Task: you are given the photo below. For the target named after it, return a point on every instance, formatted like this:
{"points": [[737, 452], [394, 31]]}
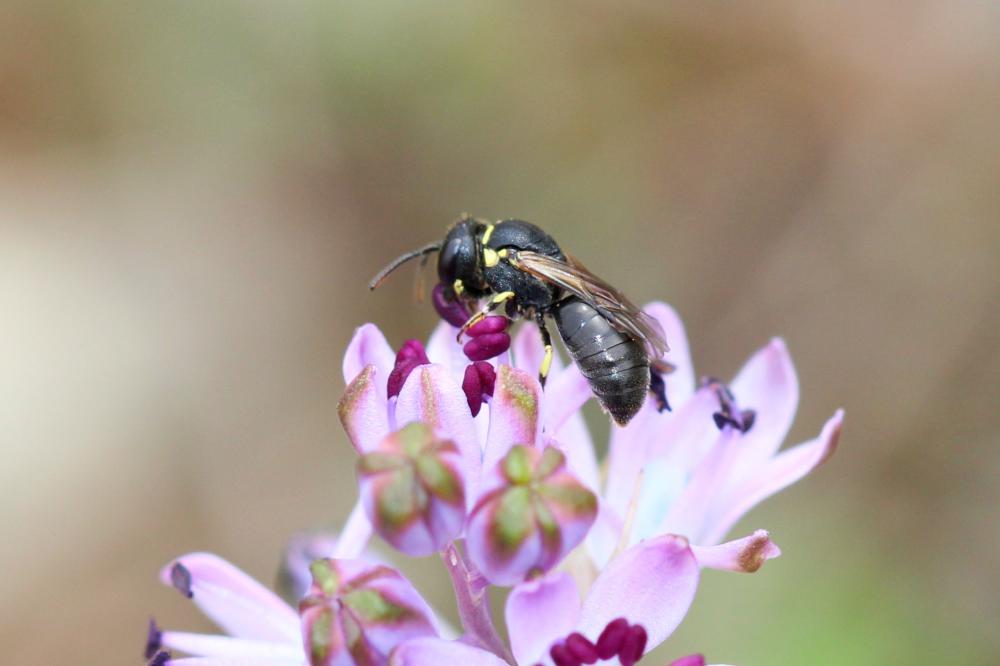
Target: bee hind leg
{"points": [[657, 386], [543, 370]]}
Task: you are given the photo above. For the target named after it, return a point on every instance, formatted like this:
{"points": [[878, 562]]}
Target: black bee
{"points": [[513, 263]]}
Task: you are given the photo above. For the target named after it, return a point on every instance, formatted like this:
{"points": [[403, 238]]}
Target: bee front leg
{"points": [[543, 371], [494, 302]]}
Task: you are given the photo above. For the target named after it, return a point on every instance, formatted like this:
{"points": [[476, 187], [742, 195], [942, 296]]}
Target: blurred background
{"points": [[194, 195]]}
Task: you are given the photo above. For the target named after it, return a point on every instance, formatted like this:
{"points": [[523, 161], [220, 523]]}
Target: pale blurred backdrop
{"points": [[194, 195]]}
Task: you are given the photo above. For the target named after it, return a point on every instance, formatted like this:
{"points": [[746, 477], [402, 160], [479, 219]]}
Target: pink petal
{"points": [[368, 347], [514, 417], [682, 437], [433, 651], [745, 555], [443, 349], [768, 385], [432, 396], [565, 394], [776, 474], [691, 513], [652, 584], [539, 612], [208, 645], [363, 409], [573, 439], [604, 534], [680, 382], [236, 602]]}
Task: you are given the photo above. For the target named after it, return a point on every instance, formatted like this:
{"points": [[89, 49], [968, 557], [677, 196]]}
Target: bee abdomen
{"points": [[615, 365]]}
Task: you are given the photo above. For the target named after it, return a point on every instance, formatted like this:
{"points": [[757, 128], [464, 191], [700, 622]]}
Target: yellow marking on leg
{"points": [[543, 372], [490, 257], [458, 286], [487, 233], [481, 315]]}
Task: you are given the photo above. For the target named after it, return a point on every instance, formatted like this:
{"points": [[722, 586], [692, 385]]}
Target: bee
{"points": [[514, 264]]}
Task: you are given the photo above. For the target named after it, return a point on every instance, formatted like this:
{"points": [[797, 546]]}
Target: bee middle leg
{"points": [[543, 371]]}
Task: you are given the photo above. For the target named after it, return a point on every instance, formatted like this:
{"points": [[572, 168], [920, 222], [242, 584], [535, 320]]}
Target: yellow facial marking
{"points": [[546, 362], [487, 234], [458, 286]]}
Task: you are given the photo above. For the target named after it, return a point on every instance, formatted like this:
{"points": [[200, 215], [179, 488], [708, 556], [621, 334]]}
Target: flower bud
{"points": [[413, 490], [531, 513], [357, 612]]}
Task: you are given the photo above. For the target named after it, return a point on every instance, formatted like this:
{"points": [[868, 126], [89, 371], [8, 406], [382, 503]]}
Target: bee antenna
{"points": [[400, 260]]}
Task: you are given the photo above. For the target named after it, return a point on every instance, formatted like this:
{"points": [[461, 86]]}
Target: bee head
{"points": [[460, 257]]}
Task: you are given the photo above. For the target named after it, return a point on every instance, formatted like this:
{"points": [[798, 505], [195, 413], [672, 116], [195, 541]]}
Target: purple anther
{"points": [[159, 659], [729, 412], [180, 578], [491, 324], [609, 643], [633, 645], [690, 660], [448, 307], [153, 640], [562, 656], [479, 380], [486, 346], [409, 356], [581, 648]]}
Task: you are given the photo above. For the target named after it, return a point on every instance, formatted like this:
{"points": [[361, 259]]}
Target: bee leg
{"points": [[543, 371], [494, 302], [657, 386]]}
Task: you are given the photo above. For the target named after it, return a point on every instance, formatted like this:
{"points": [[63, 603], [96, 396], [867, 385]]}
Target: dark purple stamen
{"points": [[491, 324], [480, 378], [619, 639], [160, 658], [609, 643], [584, 651], [448, 306], [633, 645], [729, 413], [562, 656], [486, 346], [411, 355], [180, 578], [153, 639], [690, 660]]}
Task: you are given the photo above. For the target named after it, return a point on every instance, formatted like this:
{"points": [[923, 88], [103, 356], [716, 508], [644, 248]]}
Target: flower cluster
{"points": [[461, 453]]}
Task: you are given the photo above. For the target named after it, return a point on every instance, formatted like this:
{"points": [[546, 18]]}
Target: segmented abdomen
{"points": [[616, 365]]}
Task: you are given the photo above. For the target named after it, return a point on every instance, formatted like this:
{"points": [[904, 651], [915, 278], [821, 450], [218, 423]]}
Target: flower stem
{"points": [[473, 602]]}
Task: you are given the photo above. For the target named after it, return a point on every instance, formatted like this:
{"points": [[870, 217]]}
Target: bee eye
{"points": [[448, 260]]}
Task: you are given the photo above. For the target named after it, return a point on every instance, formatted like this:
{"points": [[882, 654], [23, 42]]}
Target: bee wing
{"points": [[574, 277]]}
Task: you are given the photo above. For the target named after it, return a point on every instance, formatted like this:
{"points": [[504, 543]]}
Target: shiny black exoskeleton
{"points": [[514, 264]]}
